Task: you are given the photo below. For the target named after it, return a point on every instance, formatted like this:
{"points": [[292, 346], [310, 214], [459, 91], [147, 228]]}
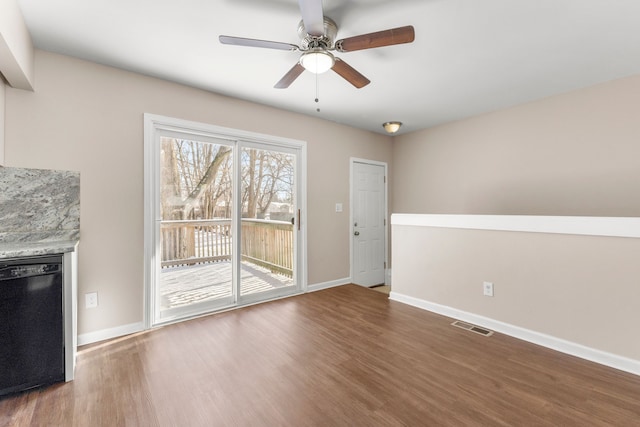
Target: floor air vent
{"points": [[472, 328]]}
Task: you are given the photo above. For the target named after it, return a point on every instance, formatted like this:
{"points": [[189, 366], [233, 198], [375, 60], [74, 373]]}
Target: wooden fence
{"points": [[265, 243]]}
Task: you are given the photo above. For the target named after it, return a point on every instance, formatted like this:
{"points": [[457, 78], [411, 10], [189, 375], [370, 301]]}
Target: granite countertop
{"points": [[39, 212], [24, 249]]}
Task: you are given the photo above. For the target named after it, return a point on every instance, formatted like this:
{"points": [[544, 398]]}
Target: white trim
{"points": [[222, 309], [107, 334], [581, 225], [327, 285], [151, 176], [207, 130], [302, 271], [558, 344], [352, 162], [70, 277]]}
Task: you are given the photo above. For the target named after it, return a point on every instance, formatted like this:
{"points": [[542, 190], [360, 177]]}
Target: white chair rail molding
{"points": [[568, 283]]}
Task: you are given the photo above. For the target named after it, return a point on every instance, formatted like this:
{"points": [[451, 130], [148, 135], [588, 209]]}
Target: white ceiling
{"points": [[469, 56]]}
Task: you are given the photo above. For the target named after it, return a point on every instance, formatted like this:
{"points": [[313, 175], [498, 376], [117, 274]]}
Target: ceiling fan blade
{"points": [[350, 74], [378, 39], [312, 16], [240, 41], [289, 78]]}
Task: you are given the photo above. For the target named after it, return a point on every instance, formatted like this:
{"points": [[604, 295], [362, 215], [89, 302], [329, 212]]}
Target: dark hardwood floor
{"points": [[345, 356]]}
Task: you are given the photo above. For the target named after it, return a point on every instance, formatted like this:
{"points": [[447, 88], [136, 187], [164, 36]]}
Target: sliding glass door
{"points": [[196, 245], [268, 222], [223, 222]]}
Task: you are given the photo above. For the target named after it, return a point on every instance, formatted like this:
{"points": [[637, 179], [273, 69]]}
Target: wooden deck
{"points": [[184, 285]]}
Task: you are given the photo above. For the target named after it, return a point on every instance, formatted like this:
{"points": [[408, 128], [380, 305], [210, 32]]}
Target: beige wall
{"points": [[572, 154], [575, 154], [582, 289], [89, 118]]}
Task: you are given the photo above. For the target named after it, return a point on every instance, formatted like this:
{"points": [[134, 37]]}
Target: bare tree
{"points": [[265, 175], [190, 171], [197, 180], [170, 188]]}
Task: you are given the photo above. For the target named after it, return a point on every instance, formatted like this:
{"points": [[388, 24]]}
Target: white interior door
{"points": [[368, 231]]}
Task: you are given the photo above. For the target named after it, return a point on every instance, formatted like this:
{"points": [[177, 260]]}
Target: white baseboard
{"points": [[568, 347], [327, 285], [106, 334], [132, 328]]}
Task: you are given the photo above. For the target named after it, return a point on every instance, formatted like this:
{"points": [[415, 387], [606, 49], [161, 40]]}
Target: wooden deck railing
{"points": [[265, 243], [268, 244], [195, 241]]}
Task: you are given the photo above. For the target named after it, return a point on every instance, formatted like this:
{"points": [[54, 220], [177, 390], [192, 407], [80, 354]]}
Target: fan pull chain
{"points": [[317, 93]]}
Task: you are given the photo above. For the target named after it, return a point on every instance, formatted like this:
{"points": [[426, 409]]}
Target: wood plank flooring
{"points": [[345, 356]]}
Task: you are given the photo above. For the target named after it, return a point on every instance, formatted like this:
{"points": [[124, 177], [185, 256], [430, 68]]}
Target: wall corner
{"points": [[3, 90], [17, 54]]}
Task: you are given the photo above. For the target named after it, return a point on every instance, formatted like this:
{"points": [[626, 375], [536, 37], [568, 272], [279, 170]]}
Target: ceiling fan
{"points": [[317, 33]]}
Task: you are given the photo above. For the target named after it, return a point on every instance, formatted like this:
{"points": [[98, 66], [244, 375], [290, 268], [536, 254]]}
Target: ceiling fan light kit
{"points": [[317, 33], [392, 127], [317, 61]]}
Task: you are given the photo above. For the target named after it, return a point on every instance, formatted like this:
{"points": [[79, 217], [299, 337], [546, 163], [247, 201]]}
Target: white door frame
{"points": [[155, 124], [352, 162]]}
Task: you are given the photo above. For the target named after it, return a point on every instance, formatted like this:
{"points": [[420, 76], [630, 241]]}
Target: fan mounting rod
{"points": [[324, 41]]}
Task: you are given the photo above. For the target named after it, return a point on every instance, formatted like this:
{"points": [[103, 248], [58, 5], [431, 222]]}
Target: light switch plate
{"points": [[91, 300], [487, 288]]}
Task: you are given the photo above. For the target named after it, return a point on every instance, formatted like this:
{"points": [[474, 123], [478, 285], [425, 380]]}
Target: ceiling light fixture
{"points": [[392, 127], [317, 61]]}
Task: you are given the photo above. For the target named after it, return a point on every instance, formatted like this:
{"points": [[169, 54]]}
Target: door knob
{"points": [[356, 233]]}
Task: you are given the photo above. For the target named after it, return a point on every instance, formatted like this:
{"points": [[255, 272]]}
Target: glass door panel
{"points": [[196, 246], [268, 230]]}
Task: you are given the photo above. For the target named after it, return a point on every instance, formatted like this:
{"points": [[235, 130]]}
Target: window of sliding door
{"points": [[268, 221], [222, 218]]}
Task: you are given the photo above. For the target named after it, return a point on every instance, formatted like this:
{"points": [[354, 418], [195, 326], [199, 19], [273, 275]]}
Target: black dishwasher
{"points": [[31, 323]]}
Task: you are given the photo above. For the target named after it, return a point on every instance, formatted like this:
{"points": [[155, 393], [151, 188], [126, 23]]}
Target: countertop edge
{"points": [[25, 249]]}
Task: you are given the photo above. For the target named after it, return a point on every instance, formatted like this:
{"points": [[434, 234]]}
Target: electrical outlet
{"points": [[487, 288], [338, 207], [91, 300]]}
